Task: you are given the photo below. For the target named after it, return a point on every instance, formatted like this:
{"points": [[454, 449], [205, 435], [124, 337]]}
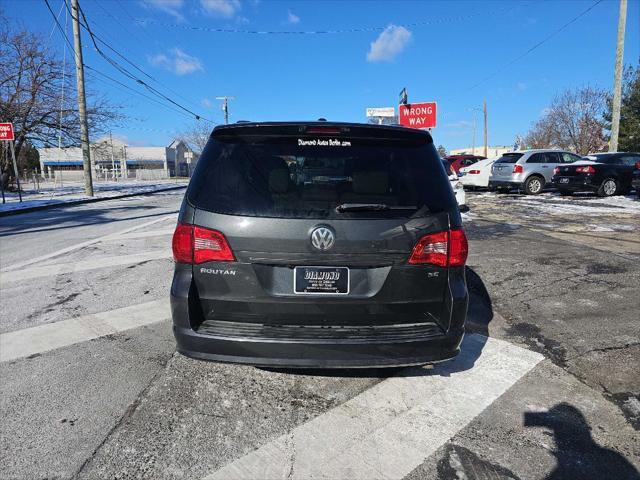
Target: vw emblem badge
{"points": [[322, 238]]}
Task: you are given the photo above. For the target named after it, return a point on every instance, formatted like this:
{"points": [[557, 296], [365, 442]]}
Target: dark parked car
{"points": [[604, 173], [459, 161], [319, 245]]}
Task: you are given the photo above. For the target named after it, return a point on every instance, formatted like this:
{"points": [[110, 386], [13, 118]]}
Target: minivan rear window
{"points": [[509, 158], [308, 177]]}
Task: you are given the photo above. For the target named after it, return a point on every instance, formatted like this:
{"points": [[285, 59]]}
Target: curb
{"points": [[18, 211]]}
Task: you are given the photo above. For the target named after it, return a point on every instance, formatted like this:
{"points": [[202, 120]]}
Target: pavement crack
{"points": [[292, 457], [128, 413], [604, 349]]}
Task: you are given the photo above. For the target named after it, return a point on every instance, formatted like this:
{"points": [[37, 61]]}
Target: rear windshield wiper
{"points": [[368, 207]]}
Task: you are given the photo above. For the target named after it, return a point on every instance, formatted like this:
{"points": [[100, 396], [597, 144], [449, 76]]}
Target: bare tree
{"points": [[573, 121], [32, 82], [540, 135], [197, 135]]}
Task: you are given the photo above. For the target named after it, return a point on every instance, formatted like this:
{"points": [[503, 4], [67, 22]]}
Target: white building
{"points": [[492, 151], [114, 156]]}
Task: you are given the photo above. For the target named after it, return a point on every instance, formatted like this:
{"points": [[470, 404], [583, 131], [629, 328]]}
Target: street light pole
{"points": [[617, 82], [473, 143], [82, 101]]}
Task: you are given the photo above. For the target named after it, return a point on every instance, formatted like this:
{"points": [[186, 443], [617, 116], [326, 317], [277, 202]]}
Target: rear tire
{"points": [[534, 185], [608, 188]]}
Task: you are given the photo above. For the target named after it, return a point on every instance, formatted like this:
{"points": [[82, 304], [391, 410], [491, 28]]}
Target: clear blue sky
{"points": [[438, 50]]}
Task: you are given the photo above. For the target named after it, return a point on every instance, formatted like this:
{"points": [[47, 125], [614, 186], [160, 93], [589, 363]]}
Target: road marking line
{"points": [[110, 236], [146, 233], [69, 267], [390, 429], [30, 341]]}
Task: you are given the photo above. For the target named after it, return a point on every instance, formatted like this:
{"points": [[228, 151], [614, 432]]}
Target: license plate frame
{"points": [[321, 285]]}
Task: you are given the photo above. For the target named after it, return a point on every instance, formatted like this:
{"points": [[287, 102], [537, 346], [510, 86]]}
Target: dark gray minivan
{"points": [[319, 244]]}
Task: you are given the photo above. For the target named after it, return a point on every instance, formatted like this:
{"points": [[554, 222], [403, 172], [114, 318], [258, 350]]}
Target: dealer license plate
{"points": [[321, 280]]}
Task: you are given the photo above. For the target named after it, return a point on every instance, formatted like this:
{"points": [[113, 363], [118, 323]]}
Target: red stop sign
{"points": [[6, 131], [418, 115]]}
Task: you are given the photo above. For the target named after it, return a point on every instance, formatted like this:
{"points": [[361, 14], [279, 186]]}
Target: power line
{"points": [[534, 47], [103, 42], [127, 73], [53, 27], [120, 68], [93, 73], [457, 18], [109, 14], [62, 30], [66, 38]]}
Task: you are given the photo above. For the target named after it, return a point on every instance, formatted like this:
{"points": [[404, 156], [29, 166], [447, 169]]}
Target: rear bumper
{"points": [[504, 184], [320, 344], [474, 181], [574, 183], [267, 352]]}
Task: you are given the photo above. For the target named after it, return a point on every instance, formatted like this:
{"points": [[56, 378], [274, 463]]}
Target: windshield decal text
{"points": [[323, 142]]}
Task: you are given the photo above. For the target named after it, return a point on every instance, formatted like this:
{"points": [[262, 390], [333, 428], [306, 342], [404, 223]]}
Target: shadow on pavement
{"points": [[478, 318], [71, 217], [578, 455]]}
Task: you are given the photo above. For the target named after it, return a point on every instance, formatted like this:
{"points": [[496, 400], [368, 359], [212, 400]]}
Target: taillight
{"points": [[473, 172], [638, 165], [517, 169], [556, 170], [458, 248], [443, 249], [182, 244], [588, 169], [193, 244], [210, 246]]}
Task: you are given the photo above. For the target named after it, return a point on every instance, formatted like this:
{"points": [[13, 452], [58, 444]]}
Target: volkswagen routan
{"points": [[319, 244]]}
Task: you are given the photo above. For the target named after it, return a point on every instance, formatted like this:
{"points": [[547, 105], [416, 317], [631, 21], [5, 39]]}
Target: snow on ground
{"points": [[555, 204], [551, 211], [49, 194], [559, 205]]}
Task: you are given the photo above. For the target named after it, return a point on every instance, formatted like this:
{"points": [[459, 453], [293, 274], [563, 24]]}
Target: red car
{"points": [[459, 161]]}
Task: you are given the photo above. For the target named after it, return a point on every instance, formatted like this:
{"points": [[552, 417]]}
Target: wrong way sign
{"points": [[418, 115], [6, 131]]}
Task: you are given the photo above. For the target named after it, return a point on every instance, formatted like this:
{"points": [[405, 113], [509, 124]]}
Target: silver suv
{"points": [[528, 170]]}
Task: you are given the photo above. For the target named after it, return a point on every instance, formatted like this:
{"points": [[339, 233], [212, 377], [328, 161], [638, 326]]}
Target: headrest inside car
{"points": [[279, 180], [375, 182]]}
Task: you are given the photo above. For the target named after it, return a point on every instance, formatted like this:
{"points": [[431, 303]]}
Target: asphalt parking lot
{"points": [[546, 386]]}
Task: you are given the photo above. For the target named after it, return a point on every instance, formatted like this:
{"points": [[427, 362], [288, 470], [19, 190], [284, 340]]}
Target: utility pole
{"points": [[113, 160], [617, 81], [486, 145], [225, 106], [82, 101]]}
